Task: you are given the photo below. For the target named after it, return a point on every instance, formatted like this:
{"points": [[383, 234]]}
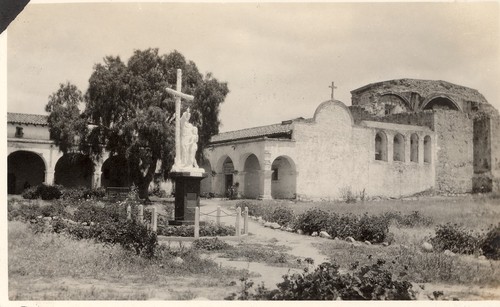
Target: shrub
{"points": [[281, 215], [30, 193], [210, 244], [373, 228], [254, 208], [43, 191], [313, 220], [456, 239], [343, 226], [372, 282], [210, 230], [491, 244], [82, 193]]}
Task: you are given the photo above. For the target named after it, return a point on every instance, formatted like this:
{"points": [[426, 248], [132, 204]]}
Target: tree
{"points": [[64, 118], [130, 113]]}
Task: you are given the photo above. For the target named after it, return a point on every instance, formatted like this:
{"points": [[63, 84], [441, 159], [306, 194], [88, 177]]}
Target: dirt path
{"points": [[300, 246]]}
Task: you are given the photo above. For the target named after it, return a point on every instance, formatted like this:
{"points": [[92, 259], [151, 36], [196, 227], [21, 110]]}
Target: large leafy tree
{"points": [[129, 113]]}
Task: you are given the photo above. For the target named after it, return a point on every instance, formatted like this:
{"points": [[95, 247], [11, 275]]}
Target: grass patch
{"points": [[409, 263], [55, 256], [271, 254]]}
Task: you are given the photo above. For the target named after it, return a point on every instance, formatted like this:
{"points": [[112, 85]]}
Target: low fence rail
{"points": [[240, 217]]}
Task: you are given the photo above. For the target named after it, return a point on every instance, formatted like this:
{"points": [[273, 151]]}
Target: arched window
{"points": [[399, 148], [427, 149], [414, 148], [380, 146]]}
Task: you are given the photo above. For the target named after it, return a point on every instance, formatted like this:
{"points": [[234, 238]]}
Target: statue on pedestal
{"points": [[189, 141]]}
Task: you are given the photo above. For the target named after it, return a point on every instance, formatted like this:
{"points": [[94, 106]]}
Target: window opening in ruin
{"points": [[275, 174], [19, 132], [414, 148], [399, 148], [427, 149], [380, 146]]}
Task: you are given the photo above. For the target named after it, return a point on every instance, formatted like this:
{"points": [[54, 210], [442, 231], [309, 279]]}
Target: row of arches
{"points": [[399, 147], [251, 178], [395, 103], [28, 169]]}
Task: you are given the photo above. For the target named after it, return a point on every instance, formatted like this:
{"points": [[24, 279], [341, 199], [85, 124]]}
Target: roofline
{"points": [[392, 80]]}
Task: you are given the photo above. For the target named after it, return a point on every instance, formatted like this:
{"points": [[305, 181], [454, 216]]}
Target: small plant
{"points": [[491, 244], [456, 238], [347, 195], [371, 282], [210, 244], [281, 215], [313, 220]]}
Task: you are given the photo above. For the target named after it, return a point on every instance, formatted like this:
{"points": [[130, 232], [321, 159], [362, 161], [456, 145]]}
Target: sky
{"points": [[278, 59]]}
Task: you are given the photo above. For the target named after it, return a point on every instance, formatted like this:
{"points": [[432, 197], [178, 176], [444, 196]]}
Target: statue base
{"points": [[187, 195]]}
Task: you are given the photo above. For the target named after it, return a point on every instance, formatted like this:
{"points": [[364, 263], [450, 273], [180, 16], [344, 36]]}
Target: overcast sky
{"points": [[278, 59]]}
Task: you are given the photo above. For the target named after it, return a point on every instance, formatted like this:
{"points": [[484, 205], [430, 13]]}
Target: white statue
{"points": [[189, 141]]}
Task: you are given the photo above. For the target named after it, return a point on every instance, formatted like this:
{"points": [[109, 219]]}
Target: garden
{"points": [[79, 244]]}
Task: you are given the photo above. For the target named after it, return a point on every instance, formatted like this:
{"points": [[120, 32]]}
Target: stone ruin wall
{"points": [[455, 168], [415, 92]]}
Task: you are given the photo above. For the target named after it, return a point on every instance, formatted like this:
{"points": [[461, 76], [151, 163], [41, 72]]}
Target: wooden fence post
{"points": [[238, 216], [218, 216], [129, 213], [245, 222], [140, 215], [154, 219], [197, 222]]}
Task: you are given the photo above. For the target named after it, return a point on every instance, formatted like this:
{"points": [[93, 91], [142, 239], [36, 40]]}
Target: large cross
{"points": [[178, 95], [333, 87]]}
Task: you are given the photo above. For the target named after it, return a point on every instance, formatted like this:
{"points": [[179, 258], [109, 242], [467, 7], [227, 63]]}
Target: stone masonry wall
{"points": [[454, 169]]}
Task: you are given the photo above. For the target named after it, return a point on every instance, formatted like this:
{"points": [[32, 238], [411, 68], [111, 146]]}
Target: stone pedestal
{"points": [[187, 195]]}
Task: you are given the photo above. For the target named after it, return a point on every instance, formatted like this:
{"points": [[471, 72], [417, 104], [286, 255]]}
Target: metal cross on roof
{"points": [[333, 87]]}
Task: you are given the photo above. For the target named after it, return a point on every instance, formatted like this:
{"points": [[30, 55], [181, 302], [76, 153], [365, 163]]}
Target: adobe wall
{"points": [[454, 169], [324, 152], [391, 178], [30, 131]]}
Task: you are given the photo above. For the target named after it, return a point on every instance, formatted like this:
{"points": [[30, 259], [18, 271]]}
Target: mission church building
{"points": [[398, 138]]}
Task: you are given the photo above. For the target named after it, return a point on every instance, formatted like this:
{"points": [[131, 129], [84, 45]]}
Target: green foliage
{"points": [[43, 191], [326, 282], [313, 220], [456, 238], [281, 215], [210, 244], [491, 244], [27, 211], [65, 122], [83, 193], [210, 230]]}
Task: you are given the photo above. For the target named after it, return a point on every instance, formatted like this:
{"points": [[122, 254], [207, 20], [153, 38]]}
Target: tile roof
{"points": [[28, 119], [277, 130]]}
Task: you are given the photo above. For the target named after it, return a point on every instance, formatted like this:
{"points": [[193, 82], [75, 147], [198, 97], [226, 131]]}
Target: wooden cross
{"points": [[333, 87], [178, 95]]}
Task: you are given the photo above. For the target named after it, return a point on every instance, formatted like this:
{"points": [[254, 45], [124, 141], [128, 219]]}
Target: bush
{"points": [[313, 220], [491, 244], [456, 239], [210, 244], [210, 230], [373, 228], [281, 215], [83, 193], [28, 211], [343, 226], [45, 192], [254, 208], [372, 282]]}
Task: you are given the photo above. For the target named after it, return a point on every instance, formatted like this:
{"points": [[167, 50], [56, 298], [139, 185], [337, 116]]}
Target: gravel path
{"points": [[301, 246]]}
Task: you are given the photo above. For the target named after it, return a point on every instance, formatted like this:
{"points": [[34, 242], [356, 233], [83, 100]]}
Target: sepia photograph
{"points": [[229, 151]]}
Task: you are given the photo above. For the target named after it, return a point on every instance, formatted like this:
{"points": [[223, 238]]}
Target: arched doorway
{"points": [[74, 170], [224, 178], [381, 146], [284, 178], [414, 148], [251, 171], [399, 148], [115, 172], [25, 169], [206, 183]]}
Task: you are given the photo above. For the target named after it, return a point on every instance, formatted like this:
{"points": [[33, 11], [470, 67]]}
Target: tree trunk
{"points": [[144, 181]]}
